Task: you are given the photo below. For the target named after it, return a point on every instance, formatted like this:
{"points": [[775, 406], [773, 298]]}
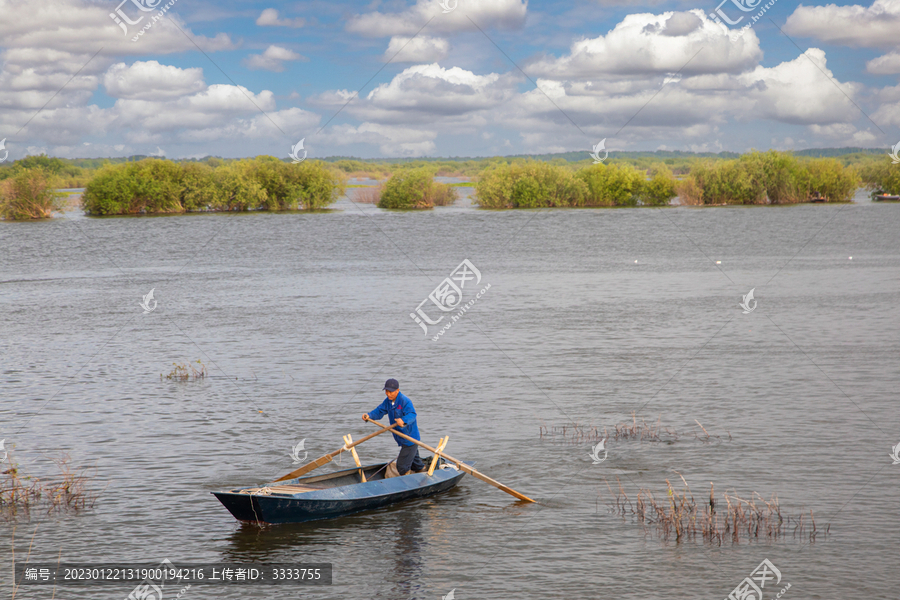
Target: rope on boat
{"points": [[263, 491]]}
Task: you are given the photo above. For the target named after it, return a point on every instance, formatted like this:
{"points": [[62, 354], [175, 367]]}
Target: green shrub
{"points": [[237, 191], [29, 194], [151, 185], [112, 191], [443, 195], [660, 189], [728, 182], [613, 185], [319, 185], [529, 184], [408, 188], [160, 183], [533, 184], [161, 186], [780, 175], [881, 175], [199, 190], [833, 180], [774, 177], [282, 190], [311, 184]]}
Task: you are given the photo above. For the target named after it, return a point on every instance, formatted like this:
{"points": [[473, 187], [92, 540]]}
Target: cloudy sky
{"points": [[86, 78]]}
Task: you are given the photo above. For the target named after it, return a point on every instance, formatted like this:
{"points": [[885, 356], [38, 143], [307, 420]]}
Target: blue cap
{"points": [[391, 385]]}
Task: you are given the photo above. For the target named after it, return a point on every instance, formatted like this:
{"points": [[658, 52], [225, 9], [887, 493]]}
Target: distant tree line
{"points": [[679, 162], [63, 171], [153, 185]]}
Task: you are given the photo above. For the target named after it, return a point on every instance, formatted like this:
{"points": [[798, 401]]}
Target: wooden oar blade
{"points": [[462, 466], [493, 482]]}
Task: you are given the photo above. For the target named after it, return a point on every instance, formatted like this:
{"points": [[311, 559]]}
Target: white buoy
{"points": [[851, 258]]}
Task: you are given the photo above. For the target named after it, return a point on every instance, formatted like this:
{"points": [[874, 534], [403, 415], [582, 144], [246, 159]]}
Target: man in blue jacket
{"points": [[399, 410]]}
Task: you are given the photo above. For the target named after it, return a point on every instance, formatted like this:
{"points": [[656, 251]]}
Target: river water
{"points": [[591, 315]]}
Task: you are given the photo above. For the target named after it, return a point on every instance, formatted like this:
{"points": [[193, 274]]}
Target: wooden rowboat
{"points": [[884, 197], [335, 494]]}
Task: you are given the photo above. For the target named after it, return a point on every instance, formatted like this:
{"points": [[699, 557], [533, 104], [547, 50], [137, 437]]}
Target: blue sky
{"points": [[239, 79]]}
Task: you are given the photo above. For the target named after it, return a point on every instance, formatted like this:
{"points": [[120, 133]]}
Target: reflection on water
{"points": [[407, 555]]}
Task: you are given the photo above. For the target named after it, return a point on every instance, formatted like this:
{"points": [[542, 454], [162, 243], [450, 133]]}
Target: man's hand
{"points": [[365, 416], [399, 422]]}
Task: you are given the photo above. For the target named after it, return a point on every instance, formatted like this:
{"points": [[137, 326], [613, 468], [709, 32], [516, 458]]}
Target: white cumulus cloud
{"points": [[872, 26], [391, 140], [151, 80], [84, 27], [197, 111], [889, 64], [423, 91], [45, 42], [499, 14], [269, 18], [648, 44], [797, 92], [272, 59], [420, 49]]}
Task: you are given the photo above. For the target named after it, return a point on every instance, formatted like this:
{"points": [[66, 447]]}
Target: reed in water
{"points": [[186, 371], [681, 517], [20, 493], [577, 433]]}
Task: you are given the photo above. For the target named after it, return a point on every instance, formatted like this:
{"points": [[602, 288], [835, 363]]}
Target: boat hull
{"points": [[338, 501]]}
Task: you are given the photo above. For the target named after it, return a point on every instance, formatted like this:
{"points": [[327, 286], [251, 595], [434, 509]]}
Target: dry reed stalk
{"points": [[186, 371], [58, 559], [703, 428], [577, 433], [689, 192], [368, 195], [18, 493], [681, 517], [15, 588]]}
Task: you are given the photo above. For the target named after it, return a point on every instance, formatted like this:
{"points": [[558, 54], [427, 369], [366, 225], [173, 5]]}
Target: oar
{"points": [[348, 441], [442, 443], [327, 458], [461, 465]]}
